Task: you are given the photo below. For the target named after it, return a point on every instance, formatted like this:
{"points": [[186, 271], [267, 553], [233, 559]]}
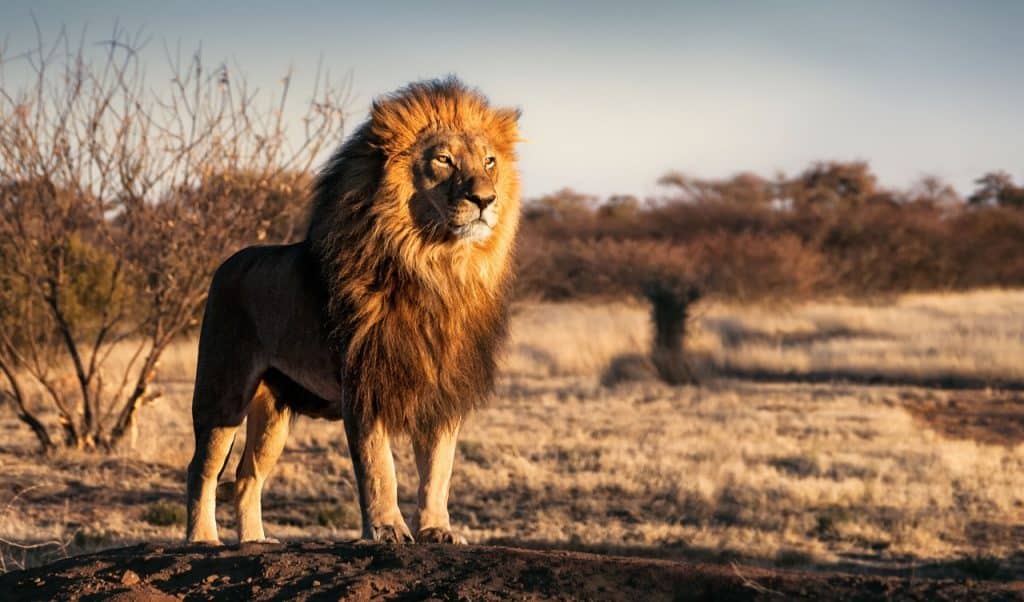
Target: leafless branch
{"points": [[117, 200]]}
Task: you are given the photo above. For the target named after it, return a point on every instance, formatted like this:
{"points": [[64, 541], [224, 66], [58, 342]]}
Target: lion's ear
{"points": [[506, 124], [510, 114], [379, 117], [382, 116], [389, 122], [383, 111]]}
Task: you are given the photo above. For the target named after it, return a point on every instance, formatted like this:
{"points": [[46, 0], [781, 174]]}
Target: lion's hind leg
{"points": [[213, 445], [266, 433], [227, 375]]}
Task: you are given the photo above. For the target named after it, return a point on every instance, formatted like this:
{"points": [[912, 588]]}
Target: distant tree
{"points": [[670, 278], [689, 189], [934, 192], [620, 207], [833, 184], [744, 188], [747, 188], [564, 205], [997, 188]]}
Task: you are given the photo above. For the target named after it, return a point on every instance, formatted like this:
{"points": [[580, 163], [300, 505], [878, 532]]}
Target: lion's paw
{"points": [[264, 541], [206, 543], [439, 535], [391, 534]]}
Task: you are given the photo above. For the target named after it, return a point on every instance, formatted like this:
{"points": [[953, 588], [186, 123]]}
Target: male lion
{"points": [[387, 316]]}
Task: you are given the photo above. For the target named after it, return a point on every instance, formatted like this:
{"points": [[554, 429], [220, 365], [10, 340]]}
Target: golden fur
{"points": [[388, 278], [388, 315]]}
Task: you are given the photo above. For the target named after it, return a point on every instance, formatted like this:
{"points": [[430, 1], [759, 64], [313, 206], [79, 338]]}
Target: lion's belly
{"points": [[321, 381], [281, 294], [307, 392], [303, 355]]}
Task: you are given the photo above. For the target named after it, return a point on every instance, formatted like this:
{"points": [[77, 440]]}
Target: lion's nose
{"points": [[481, 200], [480, 192]]}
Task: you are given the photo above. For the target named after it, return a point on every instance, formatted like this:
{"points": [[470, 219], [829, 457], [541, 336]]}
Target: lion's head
{"points": [[450, 156], [456, 175], [413, 222], [434, 169]]}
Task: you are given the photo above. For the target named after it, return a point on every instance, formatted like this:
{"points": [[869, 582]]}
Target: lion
{"points": [[387, 316]]}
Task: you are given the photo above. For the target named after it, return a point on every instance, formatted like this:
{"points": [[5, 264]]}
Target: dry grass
{"points": [[949, 339], [775, 473], [971, 337]]}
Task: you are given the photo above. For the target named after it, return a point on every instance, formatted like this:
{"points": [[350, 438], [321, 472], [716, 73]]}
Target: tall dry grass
{"points": [[973, 338]]}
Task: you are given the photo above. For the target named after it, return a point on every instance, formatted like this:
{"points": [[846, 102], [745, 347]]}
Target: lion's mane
{"points": [[417, 321]]}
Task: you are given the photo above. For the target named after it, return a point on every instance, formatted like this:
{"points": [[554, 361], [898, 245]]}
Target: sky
{"points": [[615, 94]]}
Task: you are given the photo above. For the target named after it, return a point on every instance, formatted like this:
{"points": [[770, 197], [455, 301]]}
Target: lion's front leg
{"points": [[435, 457], [374, 465]]}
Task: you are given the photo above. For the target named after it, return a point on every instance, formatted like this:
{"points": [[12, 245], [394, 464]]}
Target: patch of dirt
{"points": [[947, 382], [986, 418], [350, 570]]}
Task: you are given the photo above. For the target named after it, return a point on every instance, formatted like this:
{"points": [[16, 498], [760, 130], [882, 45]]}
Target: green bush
{"points": [[338, 516], [165, 514]]}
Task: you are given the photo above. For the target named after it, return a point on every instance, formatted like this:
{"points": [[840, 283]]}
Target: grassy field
{"points": [[819, 474], [971, 339]]}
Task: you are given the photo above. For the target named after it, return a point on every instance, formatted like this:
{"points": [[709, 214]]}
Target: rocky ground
{"points": [[360, 571]]}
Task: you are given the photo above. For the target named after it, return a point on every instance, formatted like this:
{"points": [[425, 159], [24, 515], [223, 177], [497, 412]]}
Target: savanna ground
{"points": [[883, 438]]}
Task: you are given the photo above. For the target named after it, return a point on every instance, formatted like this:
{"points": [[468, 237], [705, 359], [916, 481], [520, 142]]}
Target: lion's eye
{"points": [[490, 162], [443, 159]]}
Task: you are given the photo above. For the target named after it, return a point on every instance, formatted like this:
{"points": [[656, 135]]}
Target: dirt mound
{"points": [[330, 571]]}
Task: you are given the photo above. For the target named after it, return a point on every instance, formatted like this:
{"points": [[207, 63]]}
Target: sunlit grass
{"points": [[771, 473]]}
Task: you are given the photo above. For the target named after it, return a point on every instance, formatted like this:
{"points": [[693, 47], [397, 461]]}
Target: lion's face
{"points": [[456, 178]]}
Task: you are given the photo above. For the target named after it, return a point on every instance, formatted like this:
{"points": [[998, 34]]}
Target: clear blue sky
{"points": [[616, 93]]}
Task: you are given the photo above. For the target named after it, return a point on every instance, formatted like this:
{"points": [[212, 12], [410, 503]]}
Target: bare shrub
{"points": [[116, 202], [670, 313]]}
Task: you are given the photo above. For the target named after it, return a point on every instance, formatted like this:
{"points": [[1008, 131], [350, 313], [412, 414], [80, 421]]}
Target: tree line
{"points": [[830, 230]]}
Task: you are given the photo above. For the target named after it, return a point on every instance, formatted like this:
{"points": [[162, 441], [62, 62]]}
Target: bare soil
{"points": [[352, 570], [983, 417]]}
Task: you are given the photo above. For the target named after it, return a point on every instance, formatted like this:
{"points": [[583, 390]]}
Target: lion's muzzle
{"points": [[475, 211], [479, 190]]}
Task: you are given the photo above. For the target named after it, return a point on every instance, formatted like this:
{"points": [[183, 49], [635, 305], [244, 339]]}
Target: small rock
{"points": [[210, 578], [316, 583], [130, 577]]}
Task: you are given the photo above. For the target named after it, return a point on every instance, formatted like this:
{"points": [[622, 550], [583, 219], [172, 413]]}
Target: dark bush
{"points": [[830, 230], [165, 514]]}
